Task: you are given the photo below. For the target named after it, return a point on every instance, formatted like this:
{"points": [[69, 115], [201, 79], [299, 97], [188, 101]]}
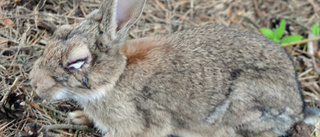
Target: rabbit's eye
{"points": [[77, 65]]}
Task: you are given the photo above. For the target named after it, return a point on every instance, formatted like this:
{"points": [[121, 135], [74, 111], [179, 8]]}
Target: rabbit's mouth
{"points": [[53, 93], [83, 96], [61, 94]]}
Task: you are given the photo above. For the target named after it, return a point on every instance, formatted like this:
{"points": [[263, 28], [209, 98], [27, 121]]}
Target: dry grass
{"points": [[26, 27]]}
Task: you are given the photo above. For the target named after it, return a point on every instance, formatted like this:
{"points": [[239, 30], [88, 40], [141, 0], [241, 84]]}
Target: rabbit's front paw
{"points": [[79, 118]]}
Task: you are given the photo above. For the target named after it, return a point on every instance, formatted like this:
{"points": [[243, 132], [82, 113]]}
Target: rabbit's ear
{"points": [[118, 16], [128, 12]]}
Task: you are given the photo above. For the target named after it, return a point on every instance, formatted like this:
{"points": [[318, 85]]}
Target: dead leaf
{"points": [[8, 22]]}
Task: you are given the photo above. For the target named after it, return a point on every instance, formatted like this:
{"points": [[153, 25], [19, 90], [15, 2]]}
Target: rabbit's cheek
{"points": [[41, 82], [60, 94], [45, 84], [54, 92]]}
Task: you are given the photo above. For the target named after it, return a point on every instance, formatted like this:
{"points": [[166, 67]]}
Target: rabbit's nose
{"points": [[42, 82]]}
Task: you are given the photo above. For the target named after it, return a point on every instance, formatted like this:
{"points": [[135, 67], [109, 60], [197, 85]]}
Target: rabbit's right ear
{"points": [[117, 17]]}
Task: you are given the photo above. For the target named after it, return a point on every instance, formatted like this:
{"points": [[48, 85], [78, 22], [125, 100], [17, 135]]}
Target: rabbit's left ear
{"points": [[119, 15]]}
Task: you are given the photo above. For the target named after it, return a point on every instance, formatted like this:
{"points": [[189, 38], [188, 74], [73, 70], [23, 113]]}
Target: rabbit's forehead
{"points": [[48, 62], [55, 47], [52, 55]]}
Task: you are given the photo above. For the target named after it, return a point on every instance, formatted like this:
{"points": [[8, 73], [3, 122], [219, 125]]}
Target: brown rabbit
{"points": [[209, 81]]}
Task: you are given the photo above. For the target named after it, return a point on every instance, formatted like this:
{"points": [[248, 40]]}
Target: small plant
{"points": [[277, 34], [315, 30]]}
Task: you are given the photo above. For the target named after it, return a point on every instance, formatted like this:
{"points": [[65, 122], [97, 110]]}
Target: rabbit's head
{"points": [[85, 62]]}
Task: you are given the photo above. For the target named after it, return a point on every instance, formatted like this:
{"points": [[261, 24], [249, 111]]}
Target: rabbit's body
{"points": [[180, 83], [207, 81]]}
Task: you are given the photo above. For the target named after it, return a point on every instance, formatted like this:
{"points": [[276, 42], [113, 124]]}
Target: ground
{"points": [[26, 27]]}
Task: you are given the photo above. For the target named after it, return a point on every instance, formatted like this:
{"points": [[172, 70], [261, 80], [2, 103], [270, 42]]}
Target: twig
{"points": [[22, 42], [76, 134], [67, 126], [63, 132], [308, 78], [300, 42], [83, 12], [249, 20], [313, 60], [57, 117], [311, 88], [15, 82], [294, 21], [5, 96], [312, 95], [2, 2], [32, 121], [306, 72], [36, 107], [315, 67], [2, 128], [54, 110], [54, 16], [315, 8]]}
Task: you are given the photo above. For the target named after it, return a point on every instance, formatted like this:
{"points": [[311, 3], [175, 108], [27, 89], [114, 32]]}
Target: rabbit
{"points": [[210, 81]]}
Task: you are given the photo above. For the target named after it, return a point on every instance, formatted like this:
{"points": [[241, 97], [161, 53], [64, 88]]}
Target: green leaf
{"points": [[305, 48], [276, 40], [291, 39], [315, 30], [20, 60], [280, 30], [267, 32]]}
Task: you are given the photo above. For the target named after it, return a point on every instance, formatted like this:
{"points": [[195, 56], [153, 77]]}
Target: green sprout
{"points": [[277, 34], [315, 30]]}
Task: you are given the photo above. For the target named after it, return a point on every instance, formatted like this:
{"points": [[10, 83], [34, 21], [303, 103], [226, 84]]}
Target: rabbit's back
{"points": [[215, 76]]}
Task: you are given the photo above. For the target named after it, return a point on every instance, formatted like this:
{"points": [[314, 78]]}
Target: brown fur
{"points": [[208, 81], [78, 117], [140, 49]]}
